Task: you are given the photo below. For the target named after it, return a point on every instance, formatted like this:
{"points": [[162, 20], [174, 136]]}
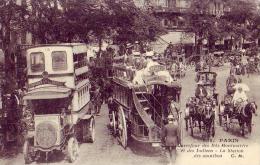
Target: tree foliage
{"points": [[237, 21], [68, 20]]}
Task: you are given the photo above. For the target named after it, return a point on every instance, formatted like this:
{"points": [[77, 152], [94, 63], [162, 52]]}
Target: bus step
{"points": [[146, 108], [142, 100], [140, 92]]}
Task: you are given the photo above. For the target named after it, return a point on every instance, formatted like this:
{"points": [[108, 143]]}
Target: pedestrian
{"points": [[98, 101], [171, 138]]}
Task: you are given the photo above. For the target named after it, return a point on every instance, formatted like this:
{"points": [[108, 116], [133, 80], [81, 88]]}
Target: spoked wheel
{"points": [[191, 127], [89, 130], [122, 127], [27, 152], [220, 115], [72, 149], [213, 129], [243, 129], [113, 124], [186, 122], [249, 126], [227, 122], [2, 144]]}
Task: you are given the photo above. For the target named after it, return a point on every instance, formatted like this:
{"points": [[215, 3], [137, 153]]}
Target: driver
{"points": [[230, 83], [201, 91]]}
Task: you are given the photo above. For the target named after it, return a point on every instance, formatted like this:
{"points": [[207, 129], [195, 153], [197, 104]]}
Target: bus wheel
{"points": [[27, 152], [122, 127], [113, 123], [72, 149], [2, 144], [89, 130]]}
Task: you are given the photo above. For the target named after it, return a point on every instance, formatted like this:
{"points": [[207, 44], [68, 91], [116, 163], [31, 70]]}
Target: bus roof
{"points": [[77, 47]]}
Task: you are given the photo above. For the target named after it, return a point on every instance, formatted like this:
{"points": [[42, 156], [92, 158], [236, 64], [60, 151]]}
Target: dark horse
{"points": [[245, 116], [202, 114]]}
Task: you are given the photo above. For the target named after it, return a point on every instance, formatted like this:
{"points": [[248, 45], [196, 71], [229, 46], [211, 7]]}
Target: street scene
{"points": [[152, 82]]}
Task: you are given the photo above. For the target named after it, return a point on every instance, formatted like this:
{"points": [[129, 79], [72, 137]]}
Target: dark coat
{"points": [[170, 135]]}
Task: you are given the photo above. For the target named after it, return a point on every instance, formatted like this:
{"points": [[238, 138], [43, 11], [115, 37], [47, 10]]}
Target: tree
{"points": [[239, 19], [12, 23], [236, 21], [202, 22]]}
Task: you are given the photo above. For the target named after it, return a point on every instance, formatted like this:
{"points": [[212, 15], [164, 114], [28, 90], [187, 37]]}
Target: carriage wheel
{"points": [[243, 129], [186, 122], [191, 127], [213, 129], [249, 126], [89, 131], [122, 127], [113, 123], [219, 116], [227, 122]]}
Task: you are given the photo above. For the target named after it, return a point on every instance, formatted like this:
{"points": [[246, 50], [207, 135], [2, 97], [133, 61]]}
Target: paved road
{"points": [[107, 151]]}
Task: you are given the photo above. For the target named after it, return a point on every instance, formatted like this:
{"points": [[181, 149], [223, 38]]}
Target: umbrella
{"points": [[243, 86]]}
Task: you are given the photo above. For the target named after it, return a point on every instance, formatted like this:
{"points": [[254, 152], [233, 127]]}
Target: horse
{"points": [[208, 120], [245, 116], [202, 113]]}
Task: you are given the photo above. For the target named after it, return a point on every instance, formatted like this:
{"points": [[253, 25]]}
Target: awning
{"points": [[48, 93]]}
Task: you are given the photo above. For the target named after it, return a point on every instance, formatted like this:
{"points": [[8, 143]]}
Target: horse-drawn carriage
{"points": [[232, 112], [142, 101], [200, 110]]}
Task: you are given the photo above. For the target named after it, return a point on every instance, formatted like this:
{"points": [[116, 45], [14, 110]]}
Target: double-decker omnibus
{"points": [[143, 98]]}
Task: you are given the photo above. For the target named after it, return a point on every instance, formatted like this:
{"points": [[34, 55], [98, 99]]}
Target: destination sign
{"points": [[46, 81], [157, 68]]}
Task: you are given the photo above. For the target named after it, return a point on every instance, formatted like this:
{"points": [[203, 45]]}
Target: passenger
{"points": [[239, 94], [171, 138], [239, 99]]}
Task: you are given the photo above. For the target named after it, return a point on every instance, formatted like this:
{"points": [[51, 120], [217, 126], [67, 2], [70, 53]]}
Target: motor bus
{"points": [[56, 103]]}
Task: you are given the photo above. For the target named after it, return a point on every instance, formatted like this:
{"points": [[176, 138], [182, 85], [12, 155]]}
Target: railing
{"points": [[145, 117], [156, 117]]}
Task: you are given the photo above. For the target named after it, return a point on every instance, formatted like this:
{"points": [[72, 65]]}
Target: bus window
{"points": [[37, 62], [59, 60]]}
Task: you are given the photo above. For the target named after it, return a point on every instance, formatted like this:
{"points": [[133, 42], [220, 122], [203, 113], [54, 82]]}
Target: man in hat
{"points": [[98, 100], [230, 83], [171, 138]]}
